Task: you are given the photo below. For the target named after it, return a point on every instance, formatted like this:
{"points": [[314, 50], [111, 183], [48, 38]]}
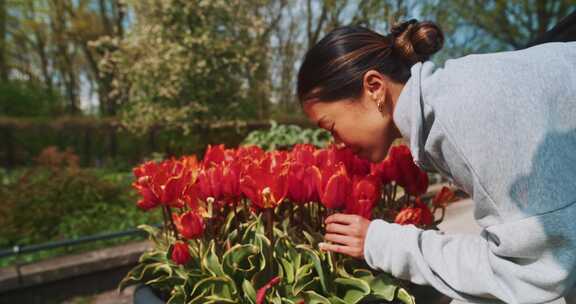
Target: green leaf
{"points": [[249, 291], [216, 299], [363, 274], [141, 272], [152, 232], [161, 268], [337, 300], [227, 227], [405, 297], [309, 238], [200, 298], [178, 296], [383, 286], [304, 285], [288, 270], [221, 286], [352, 290], [132, 277], [236, 258], [154, 255], [312, 297], [319, 267], [210, 261]]}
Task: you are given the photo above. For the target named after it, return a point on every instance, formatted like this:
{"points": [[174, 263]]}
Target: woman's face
{"points": [[357, 123]]}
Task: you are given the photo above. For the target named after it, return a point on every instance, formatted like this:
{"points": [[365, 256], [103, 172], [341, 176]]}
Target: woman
{"points": [[502, 126]]}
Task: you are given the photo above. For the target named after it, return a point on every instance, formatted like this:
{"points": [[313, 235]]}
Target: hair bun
{"points": [[417, 41]]}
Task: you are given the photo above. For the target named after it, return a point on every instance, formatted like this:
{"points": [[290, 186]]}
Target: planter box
{"points": [[423, 294]]}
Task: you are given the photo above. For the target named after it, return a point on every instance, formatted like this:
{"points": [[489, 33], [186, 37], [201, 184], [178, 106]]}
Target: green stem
{"points": [[269, 227], [236, 220], [174, 230], [165, 224]]}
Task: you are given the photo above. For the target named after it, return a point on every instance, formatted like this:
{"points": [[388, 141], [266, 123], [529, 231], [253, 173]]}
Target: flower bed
{"points": [[243, 225]]}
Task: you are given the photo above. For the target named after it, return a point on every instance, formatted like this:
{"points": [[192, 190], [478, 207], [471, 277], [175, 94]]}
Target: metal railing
{"points": [[18, 250]]}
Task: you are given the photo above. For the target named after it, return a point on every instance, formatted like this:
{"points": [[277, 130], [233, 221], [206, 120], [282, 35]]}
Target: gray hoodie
{"points": [[502, 127]]}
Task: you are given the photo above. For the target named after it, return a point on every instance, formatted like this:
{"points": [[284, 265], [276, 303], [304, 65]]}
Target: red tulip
{"points": [[190, 164], [334, 186], [302, 183], [171, 191], [324, 157], [230, 183], [273, 160], [304, 154], [443, 197], [354, 164], [250, 152], [406, 173], [261, 294], [333, 155], [216, 155], [180, 253], [418, 184], [419, 215], [209, 183], [191, 195], [365, 194], [190, 224], [385, 170], [265, 188], [163, 183], [148, 200]]}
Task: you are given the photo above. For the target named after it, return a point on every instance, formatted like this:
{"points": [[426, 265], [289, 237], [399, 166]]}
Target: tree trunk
{"points": [[3, 63]]}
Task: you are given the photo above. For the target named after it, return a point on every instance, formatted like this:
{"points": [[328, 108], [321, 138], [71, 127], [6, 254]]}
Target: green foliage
{"points": [[47, 204], [233, 273], [285, 136], [27, 99], [186, 61]]}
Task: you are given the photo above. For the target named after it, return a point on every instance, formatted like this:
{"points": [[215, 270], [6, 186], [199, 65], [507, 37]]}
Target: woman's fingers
{"points": [[338, 228], [343, 240], [347, 250], [350, 230], [341, 218]]}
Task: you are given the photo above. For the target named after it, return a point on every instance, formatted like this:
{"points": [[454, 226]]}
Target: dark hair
{"points": [[334, 68]]}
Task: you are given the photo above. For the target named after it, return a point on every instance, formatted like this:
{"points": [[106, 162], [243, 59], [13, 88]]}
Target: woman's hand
{"points": [[347, 233]]}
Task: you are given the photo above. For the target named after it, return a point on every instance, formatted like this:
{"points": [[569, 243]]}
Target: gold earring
{"points": [[381, 104]]}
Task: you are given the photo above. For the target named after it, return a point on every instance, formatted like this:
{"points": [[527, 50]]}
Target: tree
{"points": [[186, 61], [3, 63], [495, 25]]}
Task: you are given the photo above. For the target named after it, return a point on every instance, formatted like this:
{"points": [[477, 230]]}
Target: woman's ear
{"points": [[374, 84]]}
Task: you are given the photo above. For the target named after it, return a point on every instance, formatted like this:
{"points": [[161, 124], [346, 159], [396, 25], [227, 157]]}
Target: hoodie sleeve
{"points": [[526, 261]]}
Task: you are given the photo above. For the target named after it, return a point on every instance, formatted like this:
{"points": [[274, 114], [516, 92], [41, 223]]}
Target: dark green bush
{"points": [[44, 204], [27, 99]]}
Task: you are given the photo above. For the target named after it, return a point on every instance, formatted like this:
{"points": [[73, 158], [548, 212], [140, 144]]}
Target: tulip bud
{"points": [[190, 224], [180, 253]]}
